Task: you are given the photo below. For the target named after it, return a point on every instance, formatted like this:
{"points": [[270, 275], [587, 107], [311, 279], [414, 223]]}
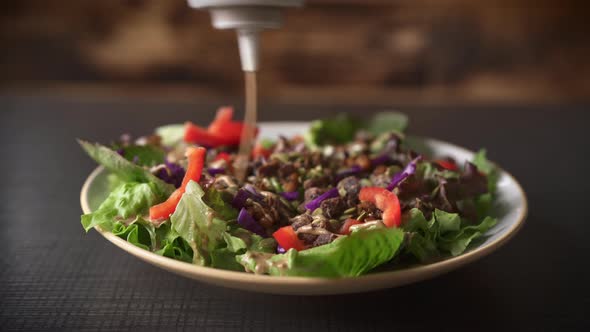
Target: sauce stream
{"points": [[247, 137]]}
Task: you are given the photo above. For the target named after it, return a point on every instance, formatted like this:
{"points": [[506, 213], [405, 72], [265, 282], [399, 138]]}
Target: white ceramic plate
{"points": [[510, 208]]}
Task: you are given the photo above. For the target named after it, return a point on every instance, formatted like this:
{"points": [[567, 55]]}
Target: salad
{"points": [[345, 198]]}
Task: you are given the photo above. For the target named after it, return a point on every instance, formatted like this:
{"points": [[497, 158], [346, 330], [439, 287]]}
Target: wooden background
{"points": [[352, 51]]}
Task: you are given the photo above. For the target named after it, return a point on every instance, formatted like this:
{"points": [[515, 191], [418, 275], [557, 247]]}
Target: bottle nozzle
{"points": [[248, 17], [248, 43]]}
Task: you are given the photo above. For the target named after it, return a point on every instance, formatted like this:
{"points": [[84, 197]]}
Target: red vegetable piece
{"points": [[224, 115], [260, 151], [345, 229], [447, 164], [223, 156], [163, 210], [385, 201], [196, 161], [199, 135], [287, 238]]}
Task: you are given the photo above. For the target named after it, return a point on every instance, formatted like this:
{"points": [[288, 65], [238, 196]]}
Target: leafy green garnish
{"points": [[445, 232], [196, 223], [339, 129], [125, 203], [144, 155], [387, 121], [219, 202], [140, 234], [488, 168], [343, 127], [347, 256], [125, 170], [171, 134]]}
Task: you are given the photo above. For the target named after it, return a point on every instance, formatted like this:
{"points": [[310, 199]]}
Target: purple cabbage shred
{"points": [[315, 203], [172, 173], [243, 194], [246, 220], [290, 195], [348, 172], [215, 170], [401, 176]]}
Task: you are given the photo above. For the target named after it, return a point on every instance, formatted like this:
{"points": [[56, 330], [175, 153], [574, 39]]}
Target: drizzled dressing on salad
{"points": [[347, 196], [247, 135]]}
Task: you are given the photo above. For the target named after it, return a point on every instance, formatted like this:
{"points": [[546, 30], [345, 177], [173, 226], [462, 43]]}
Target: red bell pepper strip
{"points": [[385, 201], [260, 151], [224, 115], [447, 164], [196, 161], [345, 229], [222, 131], [199, 135], [287, 238], [223, 156]]}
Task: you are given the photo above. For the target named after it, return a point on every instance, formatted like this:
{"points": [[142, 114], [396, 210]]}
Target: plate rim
{"points": [[370, 281]]}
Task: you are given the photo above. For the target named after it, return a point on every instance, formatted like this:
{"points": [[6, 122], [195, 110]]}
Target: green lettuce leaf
{"points": [[237, 241], [339, 129], [219, 202], [197, 224], [140, 234], [125, 203], [343, 127], [488, 168], [144, 155], [456, 242], [444, 232], [171, 134], [347, 256], [170, 244], [387, 121], [125, 170]]}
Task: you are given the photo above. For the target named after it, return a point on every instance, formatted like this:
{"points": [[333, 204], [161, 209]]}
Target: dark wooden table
{"points": [[56, 277]]}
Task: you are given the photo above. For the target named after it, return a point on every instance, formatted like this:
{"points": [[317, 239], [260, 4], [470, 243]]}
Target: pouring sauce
{"points": [[247, 137]]}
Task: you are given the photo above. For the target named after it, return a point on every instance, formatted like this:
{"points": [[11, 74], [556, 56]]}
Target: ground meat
{"points": [[312, 193], [307, 238], [263, 215], [320, 181], [363, 161], [268, 169], [380, 180], [332, 207], [324, 239], [380, 169], [372, 212], [290, 186], [313, 159], [277, 208], [282, 145], [319, 221], [286, 170], [351, 186], [300, 220]]}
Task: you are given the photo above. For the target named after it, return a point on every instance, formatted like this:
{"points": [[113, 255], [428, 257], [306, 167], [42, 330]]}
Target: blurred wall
{"points": [[348, 50]]}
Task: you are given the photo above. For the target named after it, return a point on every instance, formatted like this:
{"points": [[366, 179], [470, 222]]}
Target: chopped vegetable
{"points": [[290, 195], [345, 229], [384, 200], [314, 204], [287, 239], [196, 157], [333, 199], [245, 220], [401, 176], [447, 164]]}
